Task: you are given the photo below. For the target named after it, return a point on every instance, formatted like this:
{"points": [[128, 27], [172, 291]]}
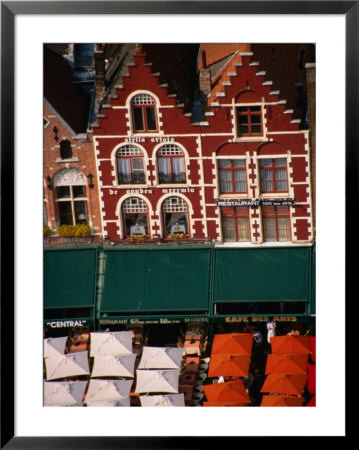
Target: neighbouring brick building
{"points": [[71, 193]]}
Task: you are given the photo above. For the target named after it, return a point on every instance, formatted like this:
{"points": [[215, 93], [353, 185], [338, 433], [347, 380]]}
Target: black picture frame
{"points": [[9, 10]]}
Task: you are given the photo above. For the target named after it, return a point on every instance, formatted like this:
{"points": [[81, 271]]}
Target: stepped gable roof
{"points": [[283, 64], [176, 65], [63, 95]]}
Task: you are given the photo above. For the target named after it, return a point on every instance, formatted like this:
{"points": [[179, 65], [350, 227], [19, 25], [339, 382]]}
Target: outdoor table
{"points": [[196, 337], [188, 378], [78, 348], [192, 364], [187, 390], [192, 348]]}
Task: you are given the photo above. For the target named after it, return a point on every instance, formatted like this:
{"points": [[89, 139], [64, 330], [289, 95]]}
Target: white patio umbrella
{"points": [[162, 400], [108, 390], [114, 366], [157, 381], [111, 343], [54, 346], [161, 358], [70, 365], [122, 402], [62, 393]]}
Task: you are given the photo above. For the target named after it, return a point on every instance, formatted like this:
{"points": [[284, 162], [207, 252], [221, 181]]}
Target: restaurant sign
{"points": [[253, 319], [276, 202], [68, 323], [151, 320]]}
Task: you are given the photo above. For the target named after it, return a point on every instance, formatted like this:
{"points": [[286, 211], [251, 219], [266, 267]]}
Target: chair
{"points": [[198, 397], [201, 377]]}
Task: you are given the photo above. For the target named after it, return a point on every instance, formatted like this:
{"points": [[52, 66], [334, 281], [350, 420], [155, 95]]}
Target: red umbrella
{"points": [[222, 404], [285, 384], [290, 344], [311, 402], [311, 378], [233, 344], [231, 391], [229, 365], [312, 341], [286, 364], [281, 400]]}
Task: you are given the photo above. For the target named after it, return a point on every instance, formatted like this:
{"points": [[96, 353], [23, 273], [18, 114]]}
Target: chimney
{"points": [[204, 76], [100, 72]]}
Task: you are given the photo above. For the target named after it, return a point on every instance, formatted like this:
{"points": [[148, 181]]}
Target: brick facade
{"points": [[56, 131], [203, 146]]}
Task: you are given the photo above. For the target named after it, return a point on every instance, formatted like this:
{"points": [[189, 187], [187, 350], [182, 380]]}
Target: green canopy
{"points": [[156, 279], [260, 275], [69, 278]]}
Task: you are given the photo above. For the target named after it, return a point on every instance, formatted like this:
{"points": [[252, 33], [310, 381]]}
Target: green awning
{"points": [[262, 275], [69, 278], [156, 280]]}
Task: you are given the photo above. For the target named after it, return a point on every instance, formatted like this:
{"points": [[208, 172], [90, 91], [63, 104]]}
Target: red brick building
{"points": [[240, 175]]}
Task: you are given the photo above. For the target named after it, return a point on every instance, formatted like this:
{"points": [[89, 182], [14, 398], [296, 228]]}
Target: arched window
{"points": [[144, 113], [130, 165], [135, 217], [235, 224], [175, 216], [171, 167], [71, 197], [65, 149]]}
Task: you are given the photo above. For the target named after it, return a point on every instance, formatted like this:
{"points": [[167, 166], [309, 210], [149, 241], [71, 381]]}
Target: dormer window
{"points": [[65, 149], [248, 114], [249, 120], [144, 113]]}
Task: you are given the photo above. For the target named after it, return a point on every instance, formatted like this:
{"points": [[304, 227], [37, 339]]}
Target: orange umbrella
{"points": [[291, 344], [286, 384], [286, 364], [231, 391], [229, 365], [223, 404], [281, 400], [233, 344]]}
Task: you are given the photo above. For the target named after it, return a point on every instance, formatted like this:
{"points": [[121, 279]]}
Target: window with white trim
{"points": [[71, 204], [175, 216], [235, 224], [130, 165], [171, 164], [135, 217], [232, 176], [144, 118], [273, 174], [71, 197], [276, 223]]}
